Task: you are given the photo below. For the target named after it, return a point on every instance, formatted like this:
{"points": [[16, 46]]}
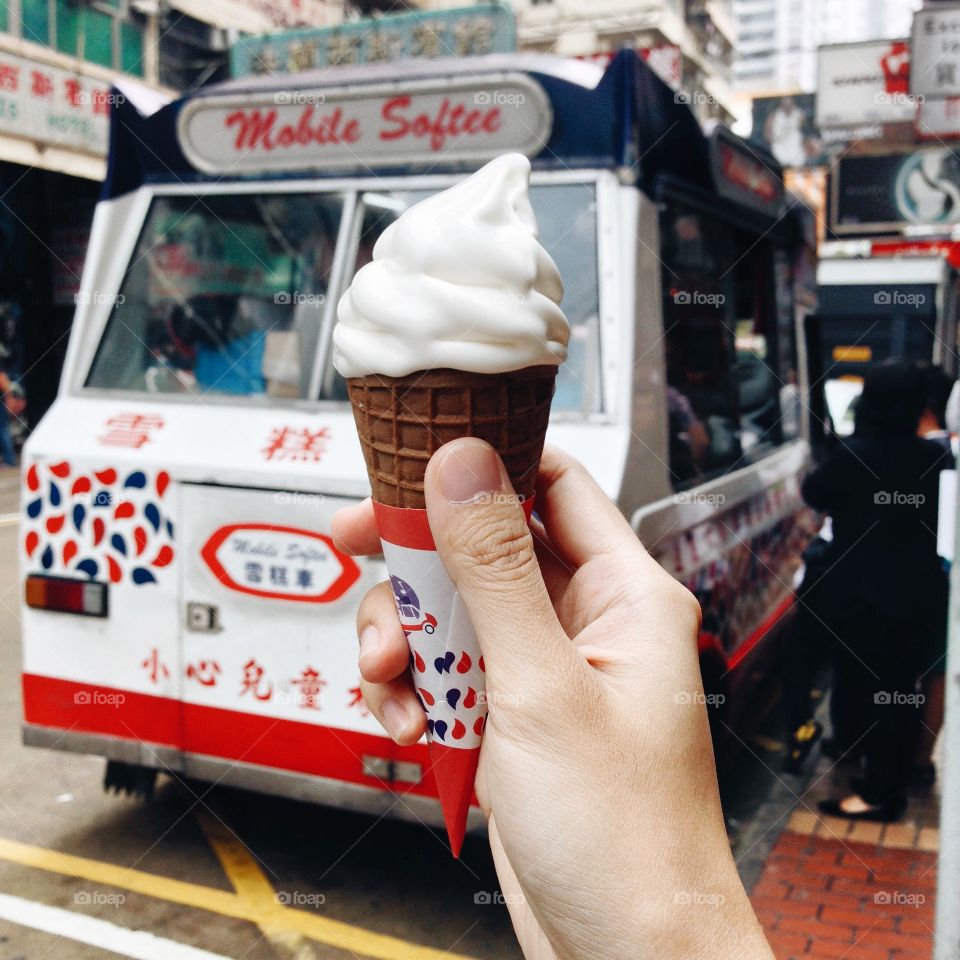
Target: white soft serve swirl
{"points": [[459, 281]]}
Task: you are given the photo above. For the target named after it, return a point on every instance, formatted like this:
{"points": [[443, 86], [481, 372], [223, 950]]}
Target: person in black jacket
{"points": [[887, 586]]}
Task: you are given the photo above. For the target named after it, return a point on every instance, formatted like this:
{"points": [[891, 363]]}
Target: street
{"points": [[200, 865]]}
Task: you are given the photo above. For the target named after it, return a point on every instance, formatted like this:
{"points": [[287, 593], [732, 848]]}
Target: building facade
{"points": [[59, 62], [688, 42]]}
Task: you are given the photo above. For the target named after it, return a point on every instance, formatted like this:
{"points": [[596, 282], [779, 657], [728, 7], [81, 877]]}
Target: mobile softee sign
{"points": [[469, 122]]}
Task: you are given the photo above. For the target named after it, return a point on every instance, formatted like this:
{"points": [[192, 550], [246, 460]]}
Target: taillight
{"points": [[66, 595]]}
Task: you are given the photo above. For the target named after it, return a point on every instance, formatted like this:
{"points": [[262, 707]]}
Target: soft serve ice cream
{"points": [[459, 281]]}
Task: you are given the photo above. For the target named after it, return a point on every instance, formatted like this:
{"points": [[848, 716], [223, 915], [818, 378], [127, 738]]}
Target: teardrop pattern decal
{"points": [[96, 520]]}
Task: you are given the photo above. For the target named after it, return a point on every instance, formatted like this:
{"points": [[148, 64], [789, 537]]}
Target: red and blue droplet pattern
{"points": [[105, 524]]}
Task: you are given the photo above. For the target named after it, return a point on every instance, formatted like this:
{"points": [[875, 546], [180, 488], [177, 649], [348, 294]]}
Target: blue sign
{"points": [[463, 32]]}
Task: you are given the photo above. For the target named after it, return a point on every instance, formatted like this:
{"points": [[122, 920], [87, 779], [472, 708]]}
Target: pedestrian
{"points": [[7, 450], [596, 774], [887, 583], [933, 426]]}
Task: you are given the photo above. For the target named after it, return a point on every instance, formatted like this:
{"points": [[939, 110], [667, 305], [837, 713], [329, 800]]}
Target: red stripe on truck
{"points": [[306, 748]]}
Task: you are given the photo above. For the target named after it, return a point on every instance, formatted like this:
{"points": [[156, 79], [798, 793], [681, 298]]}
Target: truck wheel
{"points": [[129, 778]]}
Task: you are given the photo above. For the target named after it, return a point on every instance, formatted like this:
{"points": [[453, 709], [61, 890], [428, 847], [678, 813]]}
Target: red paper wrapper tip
{"points": [[454, 770]]}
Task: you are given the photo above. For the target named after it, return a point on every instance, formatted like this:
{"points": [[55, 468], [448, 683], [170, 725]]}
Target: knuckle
{"points": [[684, 605], [496, 549], [377, 603]]}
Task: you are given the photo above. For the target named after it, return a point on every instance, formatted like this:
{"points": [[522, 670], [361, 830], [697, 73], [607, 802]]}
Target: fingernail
{"points": [[469, 470], [394, 717], [369, 640]]}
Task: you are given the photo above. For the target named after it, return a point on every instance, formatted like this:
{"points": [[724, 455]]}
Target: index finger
{"points": [[354, 530], [580, 519]]}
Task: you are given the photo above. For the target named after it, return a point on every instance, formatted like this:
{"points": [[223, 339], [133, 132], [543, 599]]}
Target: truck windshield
{"points": [[226, 294]]}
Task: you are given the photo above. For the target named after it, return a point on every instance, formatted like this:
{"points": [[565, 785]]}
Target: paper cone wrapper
{"points": [[446, 663], [402, 422]]}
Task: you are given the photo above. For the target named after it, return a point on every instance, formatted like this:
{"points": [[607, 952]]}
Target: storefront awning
{"points": [[225, 14], [29, 153]]}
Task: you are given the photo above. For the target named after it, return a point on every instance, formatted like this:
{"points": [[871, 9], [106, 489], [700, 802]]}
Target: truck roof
{"points": [[625, 117]]}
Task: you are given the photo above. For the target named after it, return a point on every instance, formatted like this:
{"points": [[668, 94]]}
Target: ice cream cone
{"points": [[403, 421]]}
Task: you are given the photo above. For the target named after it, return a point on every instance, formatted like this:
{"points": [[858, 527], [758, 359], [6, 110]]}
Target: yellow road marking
{"points": [[253, 887], [334, 933]]}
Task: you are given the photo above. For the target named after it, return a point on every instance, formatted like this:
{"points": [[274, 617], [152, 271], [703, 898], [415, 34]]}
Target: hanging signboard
{"points": [[884, 194], [53, 106], [424, 35], [862, 83], [936, 51]]}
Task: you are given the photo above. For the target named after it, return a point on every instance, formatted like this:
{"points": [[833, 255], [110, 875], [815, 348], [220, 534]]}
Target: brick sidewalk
{"points": [[849, 892]]}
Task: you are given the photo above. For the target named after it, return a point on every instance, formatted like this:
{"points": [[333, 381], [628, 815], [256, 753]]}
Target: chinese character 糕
{"points": [[472, 36], [204, 672], [383, 45], [288, 443], [130, 430], [311, 685], [252, 679], [342, 49], [302, 56], [155, 667], [427, 40], [278, 576], [41, 84]]}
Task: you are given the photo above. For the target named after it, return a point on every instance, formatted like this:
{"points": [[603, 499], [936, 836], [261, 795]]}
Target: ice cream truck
{"points": [[184, 607]]}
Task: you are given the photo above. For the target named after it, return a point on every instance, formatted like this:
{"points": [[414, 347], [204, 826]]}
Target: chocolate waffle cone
{"points": [[403, 421]]}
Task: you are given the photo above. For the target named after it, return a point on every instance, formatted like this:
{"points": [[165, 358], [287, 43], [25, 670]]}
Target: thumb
{"points": [[481, 533]]}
